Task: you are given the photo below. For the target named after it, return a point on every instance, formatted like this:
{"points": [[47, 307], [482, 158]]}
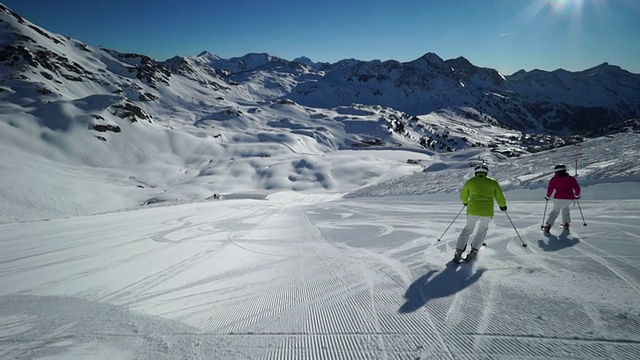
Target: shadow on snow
{"points": [[559, 242], [434, 285]]}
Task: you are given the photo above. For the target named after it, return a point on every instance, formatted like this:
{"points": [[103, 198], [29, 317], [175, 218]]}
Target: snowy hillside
{"points": [[116, 131], [311, 275]]}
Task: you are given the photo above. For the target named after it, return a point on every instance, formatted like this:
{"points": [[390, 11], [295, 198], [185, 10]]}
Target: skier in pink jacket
{"points": [[565, 190]]}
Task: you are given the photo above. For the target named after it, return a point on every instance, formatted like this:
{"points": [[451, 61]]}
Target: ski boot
{"points": [[457, 257], [472, 255], [565, 227], [546, 229]]}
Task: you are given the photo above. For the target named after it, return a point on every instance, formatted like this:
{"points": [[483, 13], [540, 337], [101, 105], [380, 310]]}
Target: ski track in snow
{"points": [[248, 279]]}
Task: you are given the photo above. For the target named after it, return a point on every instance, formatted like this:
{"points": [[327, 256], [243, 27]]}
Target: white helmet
{"points": [[481, 169], [559, 168]]}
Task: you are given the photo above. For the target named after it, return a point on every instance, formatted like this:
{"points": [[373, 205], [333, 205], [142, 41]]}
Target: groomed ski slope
{"points": [[317, 276], [346, 279]]}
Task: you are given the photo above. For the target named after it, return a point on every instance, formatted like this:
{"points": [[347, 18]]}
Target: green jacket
{"points": [[478, 193]]}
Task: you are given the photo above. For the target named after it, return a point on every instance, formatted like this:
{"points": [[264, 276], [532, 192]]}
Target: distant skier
{"points": [[478, 194], [565, 190]]}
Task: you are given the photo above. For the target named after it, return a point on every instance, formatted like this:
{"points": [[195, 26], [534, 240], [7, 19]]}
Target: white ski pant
{"points": [[560, 206], [463, 239]]}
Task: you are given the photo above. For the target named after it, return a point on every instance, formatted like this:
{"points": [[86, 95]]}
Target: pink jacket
{"points": [[566, 187]]}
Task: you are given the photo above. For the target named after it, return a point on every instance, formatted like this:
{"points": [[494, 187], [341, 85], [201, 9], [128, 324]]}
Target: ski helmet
{"points": [[560, 168], [481, 169]]}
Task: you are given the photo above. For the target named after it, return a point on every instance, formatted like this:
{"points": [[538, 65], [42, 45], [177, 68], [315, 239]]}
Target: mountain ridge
{"points": [[536, 102], [557, 102], [178, 130]]}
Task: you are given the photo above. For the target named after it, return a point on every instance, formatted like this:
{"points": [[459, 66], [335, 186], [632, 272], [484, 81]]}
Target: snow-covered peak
{"points": [[305, 60], [248, 62], [430, 60], [486, 78], [19, 29], [207, 56]]}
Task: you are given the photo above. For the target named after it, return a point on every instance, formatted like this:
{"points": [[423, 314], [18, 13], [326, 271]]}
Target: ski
{"points": [[463, 259], [564, 231]]}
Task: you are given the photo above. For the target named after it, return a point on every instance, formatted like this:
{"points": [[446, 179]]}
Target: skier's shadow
{"points": [[434, 285], [559, 242]]}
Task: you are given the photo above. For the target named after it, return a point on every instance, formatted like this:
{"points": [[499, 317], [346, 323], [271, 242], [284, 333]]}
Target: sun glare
{"points": [[562, 7], [571, 10]]}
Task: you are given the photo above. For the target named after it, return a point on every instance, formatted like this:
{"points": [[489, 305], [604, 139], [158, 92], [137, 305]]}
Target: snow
{"points": [[237, 225], [319, 275]]}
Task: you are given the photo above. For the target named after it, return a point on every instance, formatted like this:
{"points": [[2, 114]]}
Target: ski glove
{"points": [[577, 197], [503, 208], [546, 198], [464, 204]]}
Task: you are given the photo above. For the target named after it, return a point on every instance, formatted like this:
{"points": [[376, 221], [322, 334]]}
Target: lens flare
{"points": [[562, 7]]}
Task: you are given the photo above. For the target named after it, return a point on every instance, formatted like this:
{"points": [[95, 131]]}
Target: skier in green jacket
{"points": [[477, 195]]}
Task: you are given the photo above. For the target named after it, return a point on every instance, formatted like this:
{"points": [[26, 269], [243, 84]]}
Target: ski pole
{"points": [[579, 208], [454, 219], [514, 228], [544, 215]]}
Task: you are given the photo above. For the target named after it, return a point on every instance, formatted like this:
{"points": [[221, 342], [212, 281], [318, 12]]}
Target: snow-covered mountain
{"points": [[160, 127], [558, 102], [537, 101]]}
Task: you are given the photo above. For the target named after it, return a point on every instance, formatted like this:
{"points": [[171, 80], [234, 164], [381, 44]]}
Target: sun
{"points": [[565, 6], [562, 9]]}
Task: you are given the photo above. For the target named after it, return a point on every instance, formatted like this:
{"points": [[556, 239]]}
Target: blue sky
{"points": [[507, 35]]}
